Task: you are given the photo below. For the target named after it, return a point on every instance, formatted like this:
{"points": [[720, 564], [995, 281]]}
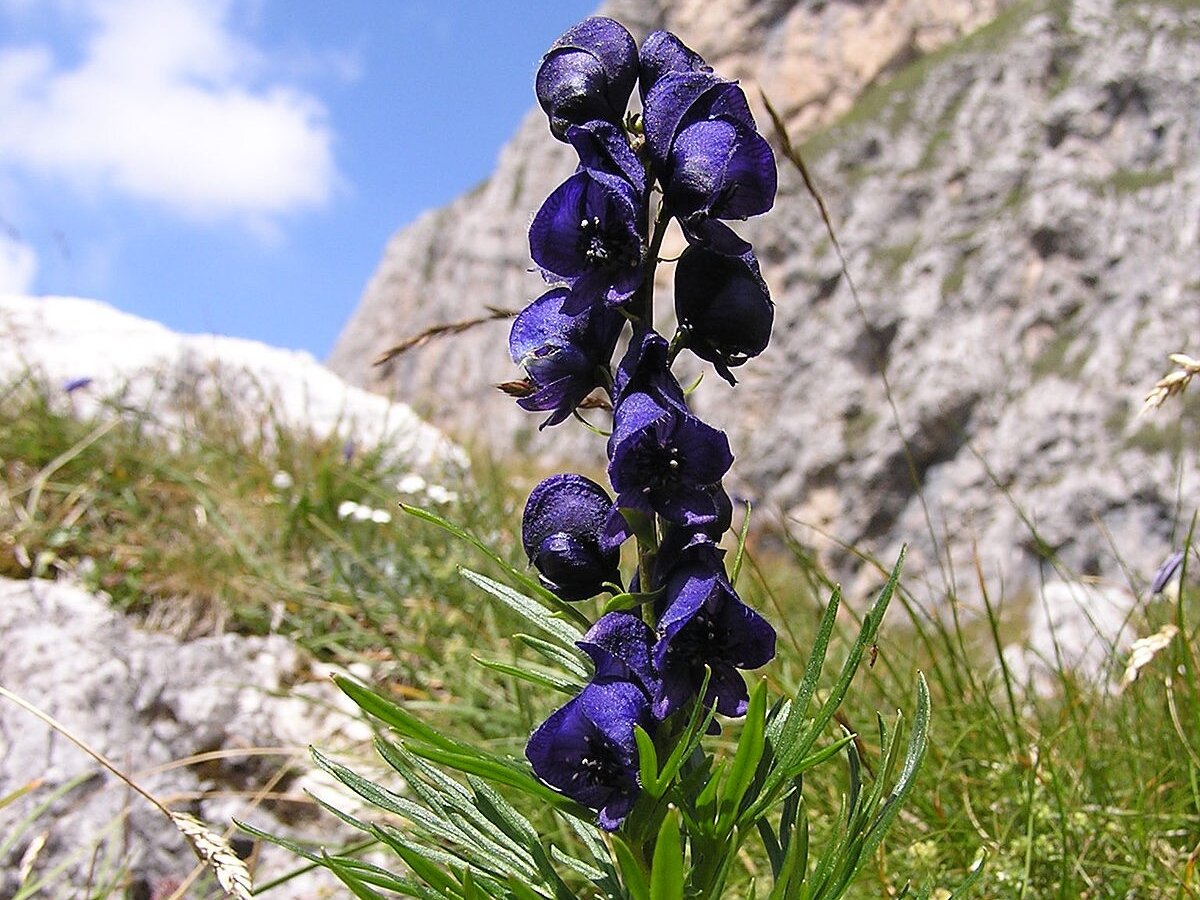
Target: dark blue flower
{"points": [[723, 304], [603, 147], [560, 531], [620, 646], [702, 622], [705, 148], [590, 234], [565, 356], [645, 369], [664, 460], [587, 74], [587, 750], [663, 53]]}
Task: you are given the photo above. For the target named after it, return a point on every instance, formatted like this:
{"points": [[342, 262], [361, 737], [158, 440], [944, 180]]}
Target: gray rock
{"points": [[1020, 210], [146, 702]]}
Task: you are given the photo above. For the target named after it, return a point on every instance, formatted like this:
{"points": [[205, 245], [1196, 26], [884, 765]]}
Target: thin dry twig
{"points": [[446, 329]]}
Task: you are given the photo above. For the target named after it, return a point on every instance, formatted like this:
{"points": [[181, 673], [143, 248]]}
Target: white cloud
{"points": [[166, 104], [18, 265]]}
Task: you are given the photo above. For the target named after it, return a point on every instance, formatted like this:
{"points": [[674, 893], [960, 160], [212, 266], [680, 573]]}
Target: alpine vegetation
{"points": [[651, 660]]}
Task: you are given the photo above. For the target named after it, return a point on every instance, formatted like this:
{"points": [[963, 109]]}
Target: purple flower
{"points": [[723, 304], [587, 750], [560, 531], [603, 147], [663, 53], [703, 623], [706, 149], [565, 356], [77, 384], [587, 74], [644, 369], [1166, 572], [664, 460], [619, 644], [590, 234]]}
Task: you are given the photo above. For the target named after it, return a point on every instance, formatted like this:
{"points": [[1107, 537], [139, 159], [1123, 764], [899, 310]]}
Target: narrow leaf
{"points": [[647, 763], [530, 610], [745, 760], [666, 870], [632, 876], [536, 677]]}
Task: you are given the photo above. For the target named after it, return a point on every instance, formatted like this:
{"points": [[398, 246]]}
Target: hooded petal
{"points": [[663, 53], [619, 644], [721, 169], [560, 531], [603, 147], [723, 304], [644, 369], [587, 74]]}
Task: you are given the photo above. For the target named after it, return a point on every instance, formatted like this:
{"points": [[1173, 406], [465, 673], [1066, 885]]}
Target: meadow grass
{"points": [[1082, 791]]}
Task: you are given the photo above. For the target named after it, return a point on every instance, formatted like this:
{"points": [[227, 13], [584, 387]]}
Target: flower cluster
{"points": [[693, 156]]}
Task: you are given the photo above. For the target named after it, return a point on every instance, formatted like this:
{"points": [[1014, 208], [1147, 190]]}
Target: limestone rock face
{"points": [[203, 725], [1020, 211]]}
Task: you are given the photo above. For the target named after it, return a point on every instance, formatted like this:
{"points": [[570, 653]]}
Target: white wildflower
{"points": [[439, 494], [282, 481], [412, 483]]}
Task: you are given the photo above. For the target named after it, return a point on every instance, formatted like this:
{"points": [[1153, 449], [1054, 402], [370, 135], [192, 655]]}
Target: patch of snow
{"points": [[94, 356]]}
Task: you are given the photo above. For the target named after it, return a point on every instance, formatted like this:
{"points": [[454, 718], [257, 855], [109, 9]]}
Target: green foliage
{"points": [[1082, 790]]}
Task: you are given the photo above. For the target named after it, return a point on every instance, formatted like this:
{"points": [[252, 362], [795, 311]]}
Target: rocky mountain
{"points": [[1016, 188]]}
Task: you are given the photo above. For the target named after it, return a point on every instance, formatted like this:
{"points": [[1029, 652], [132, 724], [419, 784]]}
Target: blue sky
{"points": [[237, 166]]}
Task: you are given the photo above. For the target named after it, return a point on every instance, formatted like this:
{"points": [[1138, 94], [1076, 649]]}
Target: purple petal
{"points": [[663, 53], [603, 147], [1166, 572], [560, 531], [619, 644], [721, 169], [724, 305], [587, 74]]}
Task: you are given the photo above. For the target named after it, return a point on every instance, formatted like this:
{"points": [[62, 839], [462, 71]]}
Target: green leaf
{"points": [[647, 763], [393, 715], [531, 610], [567, 660], [973, 876], [536, 677], [666, 870], [530, 584], [795, 859], [913, 757], [632, 876], [501, 772], [429, 872], [745, 761], [346, 875], [522, 891], [621, 602]]}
